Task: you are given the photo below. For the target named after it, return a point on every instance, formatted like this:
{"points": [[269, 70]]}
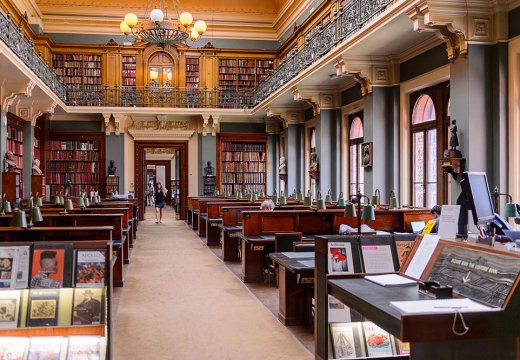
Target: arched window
{"points": [[355, 139], [160, 70], [429, 123]]}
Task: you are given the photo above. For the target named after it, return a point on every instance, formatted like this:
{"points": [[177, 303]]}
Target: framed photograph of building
{"points": [[366, 154]]}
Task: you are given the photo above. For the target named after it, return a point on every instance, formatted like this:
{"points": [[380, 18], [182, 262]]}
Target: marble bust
{"points": [[10, 164], [282, 168], [36, 167], [112, 168]]}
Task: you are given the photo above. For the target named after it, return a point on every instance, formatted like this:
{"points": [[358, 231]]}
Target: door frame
{"points": [[168, 174], [140, 168]]}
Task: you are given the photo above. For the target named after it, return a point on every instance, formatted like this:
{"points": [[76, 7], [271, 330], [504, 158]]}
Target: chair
{"points": [[283, 242], [303, 246]]}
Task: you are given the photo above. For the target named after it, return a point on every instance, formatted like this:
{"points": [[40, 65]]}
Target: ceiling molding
{"points": [[161, 135]]}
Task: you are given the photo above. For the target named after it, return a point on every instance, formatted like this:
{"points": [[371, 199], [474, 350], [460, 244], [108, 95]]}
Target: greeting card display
{"points": [[340, 258], [43, 307], [88, 309], [9, 309], [51, 266], [90, 268]]}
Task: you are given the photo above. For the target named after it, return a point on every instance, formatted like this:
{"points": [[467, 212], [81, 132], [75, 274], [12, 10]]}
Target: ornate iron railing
{"points": [[13, 37], [351, 18], [146, 96]]}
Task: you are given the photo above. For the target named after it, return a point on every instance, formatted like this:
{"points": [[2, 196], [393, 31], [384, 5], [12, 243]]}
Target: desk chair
{"points": [[283, 242]]}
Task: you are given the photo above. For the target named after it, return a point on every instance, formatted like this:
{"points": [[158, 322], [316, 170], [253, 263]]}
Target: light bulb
{"points": [[200, 27], [131, 20], [125, 28], [194, 35], [156, 15], [186, 19]]}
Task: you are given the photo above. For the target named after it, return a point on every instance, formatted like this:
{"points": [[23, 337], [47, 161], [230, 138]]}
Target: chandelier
{"points": [[157, 27]]}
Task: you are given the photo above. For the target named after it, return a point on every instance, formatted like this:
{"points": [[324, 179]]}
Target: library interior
{"points": [[284, 179]]}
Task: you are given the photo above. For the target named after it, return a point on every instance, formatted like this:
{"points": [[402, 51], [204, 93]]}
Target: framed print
{"points": [[366, 154], [340, 258]]}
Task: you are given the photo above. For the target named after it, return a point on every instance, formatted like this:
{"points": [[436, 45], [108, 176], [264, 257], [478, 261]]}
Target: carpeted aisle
{"points": [[181, 302]]}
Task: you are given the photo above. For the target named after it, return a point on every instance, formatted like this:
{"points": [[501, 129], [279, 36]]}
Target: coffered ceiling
{"points": [[262, 20]]}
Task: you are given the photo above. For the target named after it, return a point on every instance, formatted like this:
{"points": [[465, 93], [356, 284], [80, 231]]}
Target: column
{"points": [[3, 141], [28, 156], [273, 156], [381, 123], [114, 150], [207, 152], [294, 154], [328, 138]]}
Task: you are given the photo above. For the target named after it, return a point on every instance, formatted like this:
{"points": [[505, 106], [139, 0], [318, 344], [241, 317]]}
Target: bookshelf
{"points": [[243, 74], [13, 181], [192, 73], [242, 162], [129, 67], [112, 184], [79, 157], [210, 183]]}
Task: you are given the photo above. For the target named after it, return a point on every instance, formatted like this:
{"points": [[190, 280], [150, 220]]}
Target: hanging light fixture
{"points": [[159, 28]]}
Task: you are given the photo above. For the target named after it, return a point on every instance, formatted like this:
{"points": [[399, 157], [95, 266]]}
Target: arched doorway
{"points": [[161, 70]]}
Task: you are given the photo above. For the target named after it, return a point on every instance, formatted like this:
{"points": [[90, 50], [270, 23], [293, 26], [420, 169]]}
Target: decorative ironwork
{"points": [[351, 18], [146, 96], [13, 37]]}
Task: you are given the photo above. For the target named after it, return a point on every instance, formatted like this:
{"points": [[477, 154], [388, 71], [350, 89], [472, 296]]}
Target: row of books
{"points": [[247, 71], [77, 57], [92, 72], [254, 166], [231, 146], [74, 145], [53, 347], [228, 77], [255, 187], [129, 59], [254, 147], [14, 134], [227, 62], [364, 339], [129, 82], [75, 178], [51, 266], [254, 155], [15, 147], [129, 73], [192, 67], [70, 72], [254, 178], [92, 167], [248, 178], [192, 61], [83, 155], [264, 64], [92, 81], [52, 307], [231, 156]]}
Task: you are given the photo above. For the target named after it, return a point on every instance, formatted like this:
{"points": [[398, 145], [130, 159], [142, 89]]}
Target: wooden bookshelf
{"points": [[243, 74], [13, 181], [242, 162], [112, 184], [129, 68], [79, 157], [210, 184], [192, 73]]}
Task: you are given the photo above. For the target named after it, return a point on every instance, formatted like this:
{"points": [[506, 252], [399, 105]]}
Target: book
{"points": [[404, 247], [87, 306], [90, 268], [377, 340], [440, 306], [390, 280], [43, 307], [14, 266], [84, 347], [14, 348], [9, 308], [51, 266], [337, 311], [46, 347], [377, 258], [340, 258], [347, 340]]}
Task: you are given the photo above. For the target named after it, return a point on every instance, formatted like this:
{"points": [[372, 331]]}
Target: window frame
{"points": [[357, 142]]}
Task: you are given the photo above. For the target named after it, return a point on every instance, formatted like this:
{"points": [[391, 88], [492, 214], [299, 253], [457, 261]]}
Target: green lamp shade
{"points": [[81, 202], [274, 198], [299, 197], [328, 198], [30, 203], [36, 214], [283, 200], [350, 210], [393, 203], [341, 202], [7, 207], [56, 200], [98, 198], [255, 197], [87, 203], [320, 204], [38, 202], [69, 205], [510, 210], [307, 201], [375, 200], [368, 213], [19, 219], [62, 200]]}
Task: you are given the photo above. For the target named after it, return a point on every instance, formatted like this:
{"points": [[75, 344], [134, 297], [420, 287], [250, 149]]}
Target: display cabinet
{"points": [[243, 74], [192, 73], [112, 184], [129, 68]]}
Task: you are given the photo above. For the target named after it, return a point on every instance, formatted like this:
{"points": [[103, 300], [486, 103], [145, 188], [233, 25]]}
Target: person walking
{"points": [[160, 194]]}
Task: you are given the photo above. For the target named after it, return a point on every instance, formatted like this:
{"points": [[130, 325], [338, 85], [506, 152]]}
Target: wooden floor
{"points": [[180, 301]]}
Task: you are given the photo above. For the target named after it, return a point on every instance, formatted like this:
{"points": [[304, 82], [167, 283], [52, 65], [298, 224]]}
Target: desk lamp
{"points": [[509, 208], [299, 196], [341, 199], [68, 206], [98, 199], [85, 199], [376, 198], [320, 203], [19, 219], [7, 206], [35, 214], [283, 198], [274, 197], [81, 203], [328, 198], [393, 201], [39, 201], [368, 210], [307, 201], [56, 199]]}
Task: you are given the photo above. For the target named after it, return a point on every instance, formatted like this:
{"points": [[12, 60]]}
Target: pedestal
{"points": [[38, 185]]}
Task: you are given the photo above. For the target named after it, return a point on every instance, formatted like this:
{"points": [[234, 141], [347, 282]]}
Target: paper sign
{"points": [[449, 221]]}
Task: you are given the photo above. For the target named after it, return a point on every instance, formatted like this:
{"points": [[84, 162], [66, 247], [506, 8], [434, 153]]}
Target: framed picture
{"points": [[366, 154]]}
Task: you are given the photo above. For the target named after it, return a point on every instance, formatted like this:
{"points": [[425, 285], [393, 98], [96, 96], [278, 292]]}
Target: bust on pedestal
{"points": [[112, 168], [209, 170], [36, 167], [10, 164]]}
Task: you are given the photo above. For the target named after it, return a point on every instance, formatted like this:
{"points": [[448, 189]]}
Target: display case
{"points": [[242, 163], [112, 184], [78, 157], [66, 313], [482, 278]]}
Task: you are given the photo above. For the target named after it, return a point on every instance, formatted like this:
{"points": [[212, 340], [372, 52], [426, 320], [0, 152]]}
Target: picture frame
{"points": [[366, 154]]}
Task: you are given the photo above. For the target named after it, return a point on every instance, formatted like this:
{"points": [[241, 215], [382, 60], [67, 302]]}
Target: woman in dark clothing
{"points": [[160, 194]]}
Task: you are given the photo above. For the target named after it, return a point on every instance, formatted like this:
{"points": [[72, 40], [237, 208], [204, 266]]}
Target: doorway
{"points": [[173, 170]]}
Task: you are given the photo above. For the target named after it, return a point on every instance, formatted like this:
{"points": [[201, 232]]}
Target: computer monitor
{"points": [[475, 189]]}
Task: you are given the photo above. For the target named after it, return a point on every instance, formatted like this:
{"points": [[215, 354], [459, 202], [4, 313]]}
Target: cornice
{"points": [[163, 134], [289, 14]]}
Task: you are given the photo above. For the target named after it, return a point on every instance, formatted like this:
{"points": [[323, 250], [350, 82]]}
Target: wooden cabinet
{"points": [[78, 157], [12, 183], [129, 70], [112, 184], [192, 73], [78, 69], [243, 74], [242, 162]]}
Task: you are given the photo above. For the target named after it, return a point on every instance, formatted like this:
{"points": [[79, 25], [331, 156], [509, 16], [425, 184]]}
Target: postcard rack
{"points": [[483, 274]]}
